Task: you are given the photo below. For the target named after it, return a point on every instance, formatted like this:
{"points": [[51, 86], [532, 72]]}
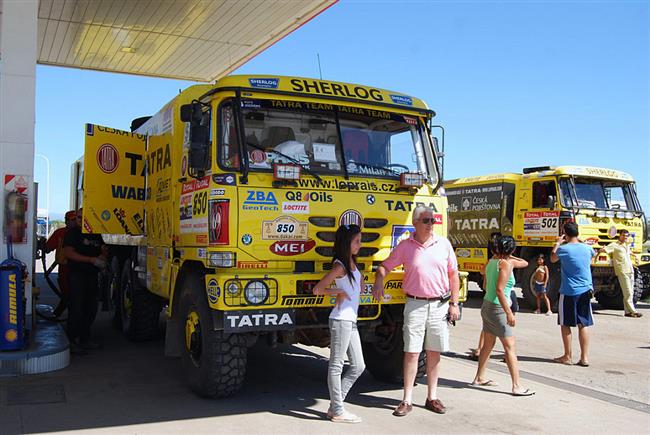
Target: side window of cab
{"points": [[544, 194]]}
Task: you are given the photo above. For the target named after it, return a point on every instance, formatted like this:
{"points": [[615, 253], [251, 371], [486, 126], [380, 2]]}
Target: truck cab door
{"points": [[113, 181], [538, 210]]}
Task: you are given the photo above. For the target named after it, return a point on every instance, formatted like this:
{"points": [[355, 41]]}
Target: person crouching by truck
{"points": [[55, 242], [86, 254]]}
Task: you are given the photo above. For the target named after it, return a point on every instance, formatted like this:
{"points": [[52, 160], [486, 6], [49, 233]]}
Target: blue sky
{"points": [[515, 84]]}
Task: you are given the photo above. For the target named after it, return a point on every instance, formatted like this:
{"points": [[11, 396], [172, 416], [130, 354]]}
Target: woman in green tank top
{"points": [[498, 318]]}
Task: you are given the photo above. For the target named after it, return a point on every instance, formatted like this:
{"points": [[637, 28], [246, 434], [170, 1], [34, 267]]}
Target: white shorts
{"points": [[425, 323]]}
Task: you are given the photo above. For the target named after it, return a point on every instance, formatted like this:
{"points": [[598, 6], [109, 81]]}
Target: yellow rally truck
{"points": [[222, 209], [533, 206]]}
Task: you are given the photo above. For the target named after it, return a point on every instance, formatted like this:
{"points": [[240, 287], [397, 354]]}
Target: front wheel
{"points": [[528, 284], [214, 362], [612, 297], [384, 356]]}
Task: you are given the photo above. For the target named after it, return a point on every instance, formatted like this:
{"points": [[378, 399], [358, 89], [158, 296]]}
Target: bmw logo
{"points": [[247, 239], [370, 199]]}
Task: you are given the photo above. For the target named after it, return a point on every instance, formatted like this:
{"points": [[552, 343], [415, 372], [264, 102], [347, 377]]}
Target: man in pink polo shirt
{"points": [[431, 284]]}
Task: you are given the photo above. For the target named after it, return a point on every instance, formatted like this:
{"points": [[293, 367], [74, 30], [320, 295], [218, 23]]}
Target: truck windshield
{"points": [[601, 194], [375, 143]]}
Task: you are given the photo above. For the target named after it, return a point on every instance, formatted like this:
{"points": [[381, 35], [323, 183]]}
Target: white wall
{"points": [[18, 32]]}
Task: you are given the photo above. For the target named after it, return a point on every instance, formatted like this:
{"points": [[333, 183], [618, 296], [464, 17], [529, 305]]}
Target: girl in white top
{"points": [[344, 336]]}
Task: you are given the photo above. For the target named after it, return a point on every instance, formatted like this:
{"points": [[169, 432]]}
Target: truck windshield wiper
{"points": [[291, 159]]}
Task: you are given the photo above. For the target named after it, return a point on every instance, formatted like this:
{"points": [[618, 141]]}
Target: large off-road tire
{"points": [[644, 274], [384, 356], [612, 298], [528, 283], [214, 362], [139, 309]]}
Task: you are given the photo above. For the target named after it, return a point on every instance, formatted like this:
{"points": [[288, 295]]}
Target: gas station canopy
{"points": [[198, 40]]}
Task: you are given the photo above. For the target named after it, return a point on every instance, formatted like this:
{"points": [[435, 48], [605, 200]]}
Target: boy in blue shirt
{"points": [[574, 306]]}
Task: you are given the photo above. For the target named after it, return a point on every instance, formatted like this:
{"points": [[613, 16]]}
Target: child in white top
{"points": [[343, 321]]}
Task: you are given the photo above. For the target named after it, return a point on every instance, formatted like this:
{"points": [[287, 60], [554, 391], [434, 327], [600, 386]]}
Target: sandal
{"points": [[526, 392], [582, 364], [488, 383], [562, 360]]}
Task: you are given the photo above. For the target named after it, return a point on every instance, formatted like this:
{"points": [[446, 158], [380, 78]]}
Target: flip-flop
{"points": [[526, 392], [561, 360], [582, 364], [488, 383]]}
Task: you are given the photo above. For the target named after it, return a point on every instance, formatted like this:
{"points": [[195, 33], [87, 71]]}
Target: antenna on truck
{"points": [[320, 72]]}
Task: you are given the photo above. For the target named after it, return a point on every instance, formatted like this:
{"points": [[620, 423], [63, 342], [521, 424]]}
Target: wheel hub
{"points": [[193, 336]]}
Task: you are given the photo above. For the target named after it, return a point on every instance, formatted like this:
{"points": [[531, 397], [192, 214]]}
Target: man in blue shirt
{"points": [[574, 306]]}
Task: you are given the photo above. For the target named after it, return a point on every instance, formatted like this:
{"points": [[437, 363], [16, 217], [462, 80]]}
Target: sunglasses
{"points": [[428, 221]]}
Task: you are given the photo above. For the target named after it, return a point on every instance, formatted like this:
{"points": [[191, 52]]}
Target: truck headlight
{"points": [[256, 292], [610, 213], [221, 259], [645, 258], [601, 213], [233, 288], [629, 215]]}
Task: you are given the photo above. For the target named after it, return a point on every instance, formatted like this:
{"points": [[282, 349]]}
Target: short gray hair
{"points": [[419, 210]]}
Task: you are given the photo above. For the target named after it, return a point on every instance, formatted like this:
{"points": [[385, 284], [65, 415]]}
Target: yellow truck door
{"points": [[538, 214], [114, 181]]}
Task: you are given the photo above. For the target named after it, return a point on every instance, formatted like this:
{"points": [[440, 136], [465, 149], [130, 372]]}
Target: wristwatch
{"points": [[453, 304]]}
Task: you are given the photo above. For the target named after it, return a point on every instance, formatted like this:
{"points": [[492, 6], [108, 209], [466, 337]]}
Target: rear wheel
{"points": [[139, 309], [214, 362], [384, 356]]}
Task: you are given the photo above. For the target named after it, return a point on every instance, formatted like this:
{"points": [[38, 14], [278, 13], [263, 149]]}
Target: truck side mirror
{"points": [[191, 113], [199, 152]]}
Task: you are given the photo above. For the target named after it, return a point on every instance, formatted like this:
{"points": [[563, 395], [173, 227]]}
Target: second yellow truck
{"points": [[533, 206]]}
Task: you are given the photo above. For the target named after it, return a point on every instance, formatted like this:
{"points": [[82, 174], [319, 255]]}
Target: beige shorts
{"points": [[425, 324]]}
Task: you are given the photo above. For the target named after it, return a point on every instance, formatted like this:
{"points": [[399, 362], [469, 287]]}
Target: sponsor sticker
{"points": [[217, 192], [463, 253], [213, 290], [264, 83], [399, 233], [247, 239], [402, 99], [284, 228], [225, 179], [258, 200], [295, 207], [218, 219], [107, 158], [202, 253], [291, 247], [541, 224], [302, 300]]}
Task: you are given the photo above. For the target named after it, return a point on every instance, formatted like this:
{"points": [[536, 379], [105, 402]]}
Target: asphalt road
{"points": [[131, 388]]}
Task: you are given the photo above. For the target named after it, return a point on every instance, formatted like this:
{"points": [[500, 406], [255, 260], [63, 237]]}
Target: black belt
{"points": [[440, 298]]}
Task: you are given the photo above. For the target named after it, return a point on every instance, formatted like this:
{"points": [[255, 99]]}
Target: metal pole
{"points": [[47, 194]]}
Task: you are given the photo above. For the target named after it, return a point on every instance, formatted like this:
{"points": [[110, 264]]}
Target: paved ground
{"points": [[132, 388]]}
